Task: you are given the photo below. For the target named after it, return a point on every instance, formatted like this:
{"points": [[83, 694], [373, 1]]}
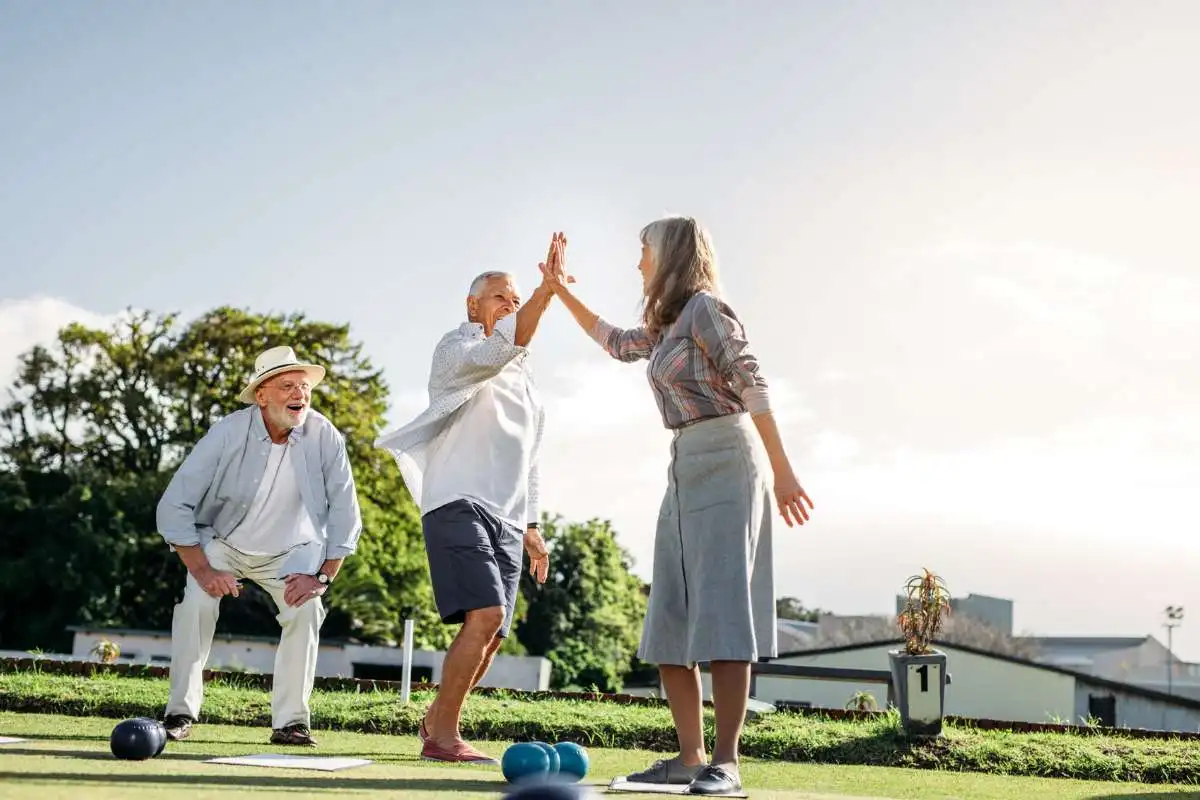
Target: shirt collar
{"points": [[472, 330]]}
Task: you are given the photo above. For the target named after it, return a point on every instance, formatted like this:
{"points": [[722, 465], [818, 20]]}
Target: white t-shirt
{"points": [[485, 454], [277, 520]]}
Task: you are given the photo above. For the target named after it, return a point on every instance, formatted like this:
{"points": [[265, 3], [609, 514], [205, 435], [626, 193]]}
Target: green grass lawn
{"points": [[775, 737], [68, 719], [69, 757]]}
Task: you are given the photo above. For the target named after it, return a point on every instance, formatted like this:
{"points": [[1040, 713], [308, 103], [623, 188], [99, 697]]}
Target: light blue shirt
{"points": [[213, 488]]}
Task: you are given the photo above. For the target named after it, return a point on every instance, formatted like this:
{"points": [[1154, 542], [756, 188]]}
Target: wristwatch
{"points": [[323, 579]]}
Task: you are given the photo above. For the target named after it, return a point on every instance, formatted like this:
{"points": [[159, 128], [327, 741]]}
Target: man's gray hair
{"points": [[482, 279]]}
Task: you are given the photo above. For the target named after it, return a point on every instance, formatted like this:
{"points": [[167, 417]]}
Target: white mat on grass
{"points": [[622, 785], [324, 763], [10, 739]]}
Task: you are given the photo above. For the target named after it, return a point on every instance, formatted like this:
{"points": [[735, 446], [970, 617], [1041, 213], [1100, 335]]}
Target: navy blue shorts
{"points": [[474, 561]]}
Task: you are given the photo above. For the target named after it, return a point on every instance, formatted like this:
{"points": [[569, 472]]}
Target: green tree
{"points": [[587, 617], [106, 406], [92, 400], [792, 608], [80, 552]]}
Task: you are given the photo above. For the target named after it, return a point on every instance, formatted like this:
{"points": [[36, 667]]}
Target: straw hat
{"points": [[274, 361]]}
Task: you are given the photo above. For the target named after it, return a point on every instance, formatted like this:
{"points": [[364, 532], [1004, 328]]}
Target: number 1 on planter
{"points": [[925, 692]]}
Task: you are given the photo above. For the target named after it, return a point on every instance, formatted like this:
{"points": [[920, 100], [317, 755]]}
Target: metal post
{"points": [[406, 669], [1174, 619]]}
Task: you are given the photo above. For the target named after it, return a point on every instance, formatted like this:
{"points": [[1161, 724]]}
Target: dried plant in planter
{"points": [[919, 675], [924, 611]]}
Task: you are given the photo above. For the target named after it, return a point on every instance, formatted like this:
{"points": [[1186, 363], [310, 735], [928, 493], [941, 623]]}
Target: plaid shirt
{"points": [[700, 367]]}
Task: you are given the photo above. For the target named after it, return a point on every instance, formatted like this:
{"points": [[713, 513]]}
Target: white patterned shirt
{"points": [[465, 363]]}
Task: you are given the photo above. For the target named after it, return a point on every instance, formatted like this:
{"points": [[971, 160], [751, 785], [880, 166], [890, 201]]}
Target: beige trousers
{"points": [[195, 621]]}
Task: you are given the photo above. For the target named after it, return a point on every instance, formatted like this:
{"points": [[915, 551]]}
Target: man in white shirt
{"points": [[470, 461], [266, 495]]}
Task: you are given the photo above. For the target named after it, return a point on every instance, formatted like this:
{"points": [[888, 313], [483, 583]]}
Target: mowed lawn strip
{"points": [[777, 737], [69, 757]]}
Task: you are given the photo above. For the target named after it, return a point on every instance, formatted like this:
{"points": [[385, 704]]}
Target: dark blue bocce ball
{"points": [[138, 739], [160, 731], [572, 761]]}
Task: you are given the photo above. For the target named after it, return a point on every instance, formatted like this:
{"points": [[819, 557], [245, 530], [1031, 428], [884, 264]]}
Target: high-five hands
{"points": [[554, 268]]}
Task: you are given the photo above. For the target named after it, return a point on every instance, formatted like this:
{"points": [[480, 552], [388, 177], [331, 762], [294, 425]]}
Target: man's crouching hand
{"points": [[539, 558], [300, 588], [216, 583]]}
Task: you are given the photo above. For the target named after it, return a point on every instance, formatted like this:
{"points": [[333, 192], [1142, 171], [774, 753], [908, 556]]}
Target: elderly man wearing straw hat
{"points": [[267, 496]]}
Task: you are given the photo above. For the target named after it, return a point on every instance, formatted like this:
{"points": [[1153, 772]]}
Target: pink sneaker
{"points": [[459, 753]]}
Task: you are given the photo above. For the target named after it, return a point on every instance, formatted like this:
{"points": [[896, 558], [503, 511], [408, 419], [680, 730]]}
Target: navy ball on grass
{"points": [[137, 739], [160, 731], [572, 761], [524, 762]]}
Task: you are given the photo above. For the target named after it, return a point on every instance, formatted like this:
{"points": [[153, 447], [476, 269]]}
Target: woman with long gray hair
{"points": [[712, 596]]}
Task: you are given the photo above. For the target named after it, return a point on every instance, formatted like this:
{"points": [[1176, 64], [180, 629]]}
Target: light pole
{"points": [[1174, 620]]}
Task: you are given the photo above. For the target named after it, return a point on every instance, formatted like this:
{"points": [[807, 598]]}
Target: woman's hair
{"points": [[685, 263]]}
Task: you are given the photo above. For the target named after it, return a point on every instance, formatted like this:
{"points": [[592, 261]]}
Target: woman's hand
{"points": [[790, 497]]}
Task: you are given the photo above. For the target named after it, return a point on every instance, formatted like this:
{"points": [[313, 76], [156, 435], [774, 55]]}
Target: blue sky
{"points": [[959, 234]]}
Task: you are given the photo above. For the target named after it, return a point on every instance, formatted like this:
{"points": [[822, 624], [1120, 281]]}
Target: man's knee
{"points": [[485, 621], [194, 597], [310, 614]]}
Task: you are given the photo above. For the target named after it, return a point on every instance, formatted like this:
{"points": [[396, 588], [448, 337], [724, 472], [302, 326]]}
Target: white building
{"points": [[987, 686], [1141, 660], [334, 658]]}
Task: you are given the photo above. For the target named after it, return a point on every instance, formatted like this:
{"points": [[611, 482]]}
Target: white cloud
{"points": [[832, 376], [36, 320], [1063, 291], [597, 398], [962, 344], [833, 448]]}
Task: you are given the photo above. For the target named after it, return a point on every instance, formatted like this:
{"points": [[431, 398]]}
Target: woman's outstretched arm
{"points": [[622, 344]]}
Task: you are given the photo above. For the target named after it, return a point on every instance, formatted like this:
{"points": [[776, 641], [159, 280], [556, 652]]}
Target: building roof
{"points": [[1083, 677], [1108, 642]]}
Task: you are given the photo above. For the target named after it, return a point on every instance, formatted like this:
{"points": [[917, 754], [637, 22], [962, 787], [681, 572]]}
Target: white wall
{"points": [[1135, 711], [527, 673], [982, 687]]}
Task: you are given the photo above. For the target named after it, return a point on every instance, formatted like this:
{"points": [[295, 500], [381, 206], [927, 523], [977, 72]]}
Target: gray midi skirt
{"points": [[712, 591]]}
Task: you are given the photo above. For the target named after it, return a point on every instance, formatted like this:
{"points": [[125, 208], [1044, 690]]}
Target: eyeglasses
{"points": [[287, 387]]}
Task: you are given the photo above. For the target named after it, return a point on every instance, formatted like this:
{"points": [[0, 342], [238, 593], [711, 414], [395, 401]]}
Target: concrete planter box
{"points": [[919, 686]]}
